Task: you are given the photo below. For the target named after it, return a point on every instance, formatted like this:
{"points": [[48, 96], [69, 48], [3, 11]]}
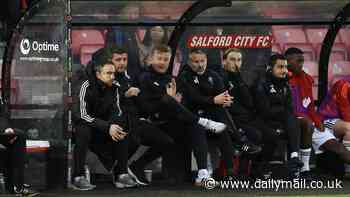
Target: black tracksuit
{"points": [[171, 116], [242, 111], [199, 92], [95, 109], [274, 105], [14, 155], [142, 131]]}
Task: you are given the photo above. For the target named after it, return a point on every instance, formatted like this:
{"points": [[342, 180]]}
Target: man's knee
{"points": [[347, 129], [83, 133]]}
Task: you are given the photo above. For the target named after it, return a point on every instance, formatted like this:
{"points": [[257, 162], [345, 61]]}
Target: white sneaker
{"points": [[210, 125], [124, 181], [204, 180], [82, 184], [202, 175]]}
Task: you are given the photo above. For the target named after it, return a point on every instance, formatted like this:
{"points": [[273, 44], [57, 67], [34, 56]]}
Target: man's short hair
{"points": [[100, 58], [197, 51], [101, 54], [99, 65], [118, 50], [161, 48], [274, 58], [228, 51], [292, 51]]}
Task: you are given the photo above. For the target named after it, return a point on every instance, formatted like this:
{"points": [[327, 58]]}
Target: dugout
{"points": [[56, 37]]}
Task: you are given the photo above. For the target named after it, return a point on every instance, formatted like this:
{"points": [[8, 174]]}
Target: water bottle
{"points": [[87, 173], [2, 184]]}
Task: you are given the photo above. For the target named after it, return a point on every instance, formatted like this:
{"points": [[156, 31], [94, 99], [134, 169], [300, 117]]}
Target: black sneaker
{"points": [[138, 175], [250, 149], [294, 165], [308, 176], [25, 191]]}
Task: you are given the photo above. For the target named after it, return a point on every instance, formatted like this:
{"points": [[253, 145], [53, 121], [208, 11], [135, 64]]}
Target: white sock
{"points": [[203, 174], [305, 158], [347, 146], [294, 154]]}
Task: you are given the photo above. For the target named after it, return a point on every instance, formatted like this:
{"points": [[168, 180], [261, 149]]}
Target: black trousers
{"points": [[290, 124], [147, 134], [100, 143], [174, 136], [182, 125], [260, 133], [14, 159], [223, 140]]}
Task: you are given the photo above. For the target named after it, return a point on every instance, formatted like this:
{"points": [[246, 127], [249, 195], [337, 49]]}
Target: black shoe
{"points": [[249, 148], [294, 165], [138, 174], [308, 176], [25, 191]]}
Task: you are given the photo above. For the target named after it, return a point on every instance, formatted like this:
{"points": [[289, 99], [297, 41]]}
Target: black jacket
{"points": [[95, 104], [200, 90], [273, 98], [153, 92], [124, 81], [242, 108]]}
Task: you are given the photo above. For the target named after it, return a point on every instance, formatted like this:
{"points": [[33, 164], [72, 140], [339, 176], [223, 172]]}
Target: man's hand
{"points": [[227, 104], [223, 98], [116, 132], [178, 97], [10, 131], [132, 92], [171, 88], [321, 127]]}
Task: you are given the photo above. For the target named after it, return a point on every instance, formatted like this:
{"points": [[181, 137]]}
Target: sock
{"points": [[305, 158], [294, 154], [347, 146]]}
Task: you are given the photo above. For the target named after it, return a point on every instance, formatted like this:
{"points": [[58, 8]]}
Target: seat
{"points": [[311, 68], [86, 52], [345, 36], [289, 35], [317, 35], [86, 37], [339, 70], [293, 37], [276, 48], [338, 53]]}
